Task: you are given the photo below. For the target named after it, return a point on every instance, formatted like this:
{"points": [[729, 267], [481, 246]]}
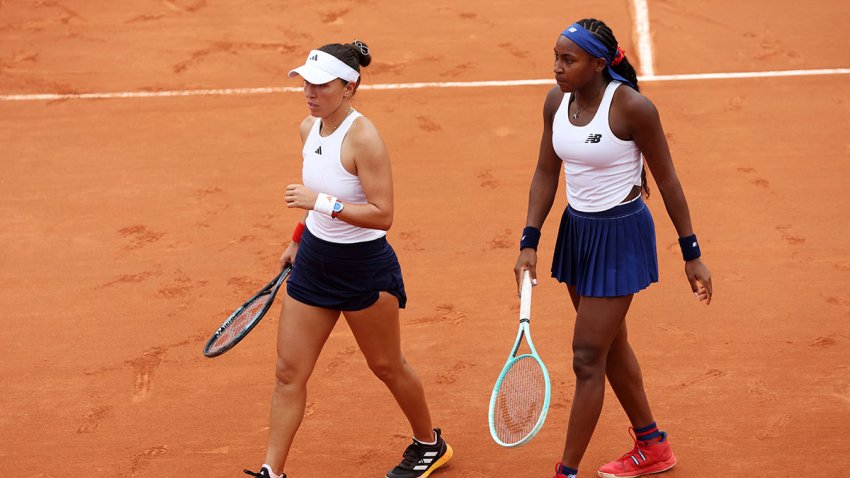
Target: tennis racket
{"points": [[240, 322], [520, 398]]}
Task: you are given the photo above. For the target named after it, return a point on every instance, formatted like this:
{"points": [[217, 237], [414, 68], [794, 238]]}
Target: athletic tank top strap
{"points": [[604, 111]]}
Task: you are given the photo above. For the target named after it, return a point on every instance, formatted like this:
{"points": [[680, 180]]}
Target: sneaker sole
{"points": [[437, 464], [664, 467]]}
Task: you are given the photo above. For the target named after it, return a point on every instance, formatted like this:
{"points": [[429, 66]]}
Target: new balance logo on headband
{"points": [[593, 138], [319, 151], [314, 58]]}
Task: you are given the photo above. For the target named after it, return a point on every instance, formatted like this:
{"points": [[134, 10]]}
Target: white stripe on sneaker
{"points": [[424, 463]]}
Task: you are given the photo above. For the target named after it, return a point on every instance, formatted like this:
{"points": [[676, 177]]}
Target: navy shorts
{"points": [[344, 276], [608, 253]]}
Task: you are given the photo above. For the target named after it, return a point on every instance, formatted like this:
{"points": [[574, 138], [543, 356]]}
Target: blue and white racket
{"points": [[521, 395]]}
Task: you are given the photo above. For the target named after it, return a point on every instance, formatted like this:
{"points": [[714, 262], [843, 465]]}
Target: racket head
{"points": [[245, 318], [520, 400]]}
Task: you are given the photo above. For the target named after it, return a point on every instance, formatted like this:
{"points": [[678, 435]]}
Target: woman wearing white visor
{"points": [[342, 263]]}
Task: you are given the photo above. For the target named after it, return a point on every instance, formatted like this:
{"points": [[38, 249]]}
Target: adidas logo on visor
{"points": [[314, 58]]}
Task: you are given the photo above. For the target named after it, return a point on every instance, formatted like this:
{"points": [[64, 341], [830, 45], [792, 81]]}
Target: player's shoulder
{"points": [[364, 132], [554, 96], [633, 102], [553, 100], [306, 124]]}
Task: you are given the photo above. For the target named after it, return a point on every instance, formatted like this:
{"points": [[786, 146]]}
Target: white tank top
{"points": [[323, 172], [600, 169]]}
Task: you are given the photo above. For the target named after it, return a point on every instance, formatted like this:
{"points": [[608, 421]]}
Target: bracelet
{"points": [[324, 204], [530, 238], [296, 234], [690, 247]]}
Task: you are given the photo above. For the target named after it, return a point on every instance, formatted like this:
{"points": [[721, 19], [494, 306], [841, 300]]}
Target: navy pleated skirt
{"points": [[344, 276], [609, 253]]}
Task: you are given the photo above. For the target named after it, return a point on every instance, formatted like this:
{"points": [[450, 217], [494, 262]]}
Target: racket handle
{"points": [[525, 297]]}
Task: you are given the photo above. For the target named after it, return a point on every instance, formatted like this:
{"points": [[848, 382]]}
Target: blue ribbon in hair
{"points": [[589, 43]]}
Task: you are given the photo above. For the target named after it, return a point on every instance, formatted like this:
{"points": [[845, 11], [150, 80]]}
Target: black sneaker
{"points": [[264, 473], [421, 460]]}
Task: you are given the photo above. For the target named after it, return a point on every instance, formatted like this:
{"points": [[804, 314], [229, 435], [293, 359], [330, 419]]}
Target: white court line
{"points": [[644, 39], [401, 86], [747, 74]]}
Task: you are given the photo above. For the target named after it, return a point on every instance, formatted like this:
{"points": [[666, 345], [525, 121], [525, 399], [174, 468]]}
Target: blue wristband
{"points": [[530, 238], [690, 247]]}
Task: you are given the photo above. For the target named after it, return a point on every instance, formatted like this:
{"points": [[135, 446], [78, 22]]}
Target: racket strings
{"points": [[235, 327], [520, 400]]}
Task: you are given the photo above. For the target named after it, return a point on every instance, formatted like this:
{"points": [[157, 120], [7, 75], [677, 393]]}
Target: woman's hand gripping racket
{"points": [[240, 322], [521, 395]]}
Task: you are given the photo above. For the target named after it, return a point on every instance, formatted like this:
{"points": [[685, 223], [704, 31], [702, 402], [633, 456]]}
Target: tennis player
{"points": [[342, 263], [598, 125]]}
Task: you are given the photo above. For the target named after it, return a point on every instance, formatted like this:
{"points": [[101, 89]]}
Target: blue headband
{"points": [[589, 43]]}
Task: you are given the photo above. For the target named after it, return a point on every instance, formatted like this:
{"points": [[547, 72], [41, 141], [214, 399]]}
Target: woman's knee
{"points": [[588, 362], [387, 370], [290, 372]]}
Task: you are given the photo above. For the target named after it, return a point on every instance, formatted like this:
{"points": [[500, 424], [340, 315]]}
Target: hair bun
{"points": [[362, 51]]}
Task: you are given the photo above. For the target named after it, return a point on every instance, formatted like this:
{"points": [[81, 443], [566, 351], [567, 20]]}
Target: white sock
{"points": [[425, 442], [271, 473]]}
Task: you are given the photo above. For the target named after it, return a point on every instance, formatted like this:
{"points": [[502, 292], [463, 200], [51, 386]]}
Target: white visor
{"points": [[322, 67]]}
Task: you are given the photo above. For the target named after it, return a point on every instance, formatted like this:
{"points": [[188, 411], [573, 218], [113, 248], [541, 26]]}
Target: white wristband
{"points": [[324, 204]]}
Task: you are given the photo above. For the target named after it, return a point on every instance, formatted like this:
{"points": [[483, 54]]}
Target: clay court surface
{"points": [[131, 227]]}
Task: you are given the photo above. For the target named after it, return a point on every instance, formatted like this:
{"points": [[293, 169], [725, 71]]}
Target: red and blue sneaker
{"points": [[646, 458]]}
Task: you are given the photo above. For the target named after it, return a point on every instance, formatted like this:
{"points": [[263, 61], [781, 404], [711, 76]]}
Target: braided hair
{"points": [[603, 32]]}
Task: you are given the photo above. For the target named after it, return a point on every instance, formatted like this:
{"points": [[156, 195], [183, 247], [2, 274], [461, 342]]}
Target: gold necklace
{"points": [[328, 133]]}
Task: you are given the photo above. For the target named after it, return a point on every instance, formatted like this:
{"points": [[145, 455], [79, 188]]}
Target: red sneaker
{"points": [[645, 458], [558, 473]]}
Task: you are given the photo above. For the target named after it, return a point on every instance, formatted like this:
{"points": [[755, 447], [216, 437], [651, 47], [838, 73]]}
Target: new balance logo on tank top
{"points": [[600, 169], [322, 171]]}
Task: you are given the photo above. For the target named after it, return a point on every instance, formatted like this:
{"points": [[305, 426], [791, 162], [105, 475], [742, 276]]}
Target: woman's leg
{"points": [[376, 330], [302, 332], [626, 380], [652, 452], [598, 321]]}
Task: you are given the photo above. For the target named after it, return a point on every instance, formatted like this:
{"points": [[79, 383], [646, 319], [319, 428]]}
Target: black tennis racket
{"points": [[240, 322]]}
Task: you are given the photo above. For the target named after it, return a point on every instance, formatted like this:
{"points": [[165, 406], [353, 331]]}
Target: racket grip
{"points": [[525, 297]]}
